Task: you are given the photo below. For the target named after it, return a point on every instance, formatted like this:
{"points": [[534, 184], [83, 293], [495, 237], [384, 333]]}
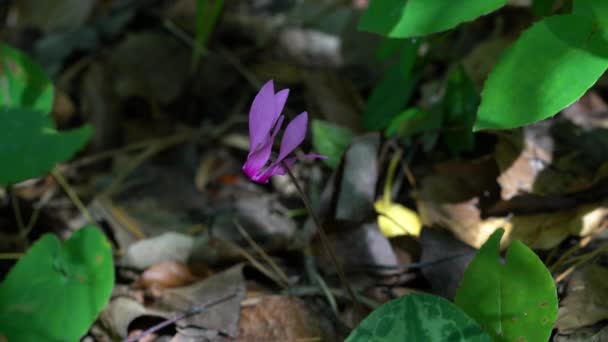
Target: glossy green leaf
{"points": [[23, 83], [549, 67], [460, 108], [513, 301], [55, 292], [331, 140], [418, 317], [30, 146], [412, 18]]}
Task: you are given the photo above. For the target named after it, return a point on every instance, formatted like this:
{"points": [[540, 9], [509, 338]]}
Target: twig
{"points": [[262, 253], [17, 212], [72, 195], [324, 239], [181, 316], [11, 256]]}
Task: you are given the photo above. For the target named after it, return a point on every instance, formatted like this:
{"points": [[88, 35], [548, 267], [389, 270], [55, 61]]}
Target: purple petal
{"points": [[279, 101], [295, 132], [277, 168], [262, 116], [259, 157]]}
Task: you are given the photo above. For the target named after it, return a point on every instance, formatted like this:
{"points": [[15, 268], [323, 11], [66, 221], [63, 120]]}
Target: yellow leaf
{"points": [[395, 219]]}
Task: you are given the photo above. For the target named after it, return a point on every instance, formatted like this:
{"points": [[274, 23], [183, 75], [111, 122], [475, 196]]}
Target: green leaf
{"points": [[331, 140], [30, 146], [418, 317], [55, 292], [542, 8], [460, 109], [414, 121], [550, 66], [393, 91], [513, 301], [597, 9], [412, 18], [23, 83]]}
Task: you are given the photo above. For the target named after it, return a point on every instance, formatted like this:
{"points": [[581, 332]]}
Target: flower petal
{"points": [[259, 157], [279, 101], [295, 132], [262, 116], [277, 168]]}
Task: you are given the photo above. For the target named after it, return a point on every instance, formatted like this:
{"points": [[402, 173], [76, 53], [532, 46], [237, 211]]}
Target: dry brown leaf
{"points": [[281, 318], [586, 300], [165, 275]]}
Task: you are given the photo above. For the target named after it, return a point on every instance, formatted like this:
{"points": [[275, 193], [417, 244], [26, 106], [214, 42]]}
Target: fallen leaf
{"points": [[586, 300], [444, 260], [282, 318], [166, 274], [394, 219], [220, 318], [358, 183], [169, 246]]}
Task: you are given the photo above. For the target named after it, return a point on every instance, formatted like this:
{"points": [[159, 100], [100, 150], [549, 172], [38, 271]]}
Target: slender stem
{"points": [[390, 176], [325, 240], [17, 211], [181, 316], [72, 195]]}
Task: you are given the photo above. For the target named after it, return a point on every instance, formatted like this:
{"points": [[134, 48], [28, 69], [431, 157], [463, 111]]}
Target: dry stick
{"points": [[72, 195], [324, 240], [181, 316], [262, 253], [11, 256], [17, 211]]}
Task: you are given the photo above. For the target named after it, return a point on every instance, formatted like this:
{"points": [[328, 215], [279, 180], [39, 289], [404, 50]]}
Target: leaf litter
{"points": [[192, 236]]}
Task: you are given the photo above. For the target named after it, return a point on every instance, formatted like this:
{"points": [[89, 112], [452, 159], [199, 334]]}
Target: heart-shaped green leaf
{"points": [[30, 145], [412, 18], [331, 140], [55, 292], [514, 301], [23, 83], [418, 317], [549, 67]]}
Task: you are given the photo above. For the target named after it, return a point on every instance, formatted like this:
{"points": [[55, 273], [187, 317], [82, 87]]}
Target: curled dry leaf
{"points": [[459, 210], [167, 274]]}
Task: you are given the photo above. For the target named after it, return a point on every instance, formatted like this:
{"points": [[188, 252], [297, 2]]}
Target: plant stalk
{"points": [[325, 240]]}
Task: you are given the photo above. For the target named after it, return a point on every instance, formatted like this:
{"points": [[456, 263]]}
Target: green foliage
{"points": [[542, 8], [331, 140], [23, 83], [412, 18], [452, 117], [414, 121], [597, 10], [514, 301], [393, 92], [55, 292], [207, 14], [418, 317], [551, 65], [30, 145], [460, 106]]}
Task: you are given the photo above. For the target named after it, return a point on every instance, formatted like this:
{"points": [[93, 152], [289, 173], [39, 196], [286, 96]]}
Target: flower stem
{"points": [[325, 240]]}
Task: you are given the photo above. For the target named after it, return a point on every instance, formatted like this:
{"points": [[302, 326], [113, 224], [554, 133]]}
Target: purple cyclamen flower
{"points": [[265, 121]]}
